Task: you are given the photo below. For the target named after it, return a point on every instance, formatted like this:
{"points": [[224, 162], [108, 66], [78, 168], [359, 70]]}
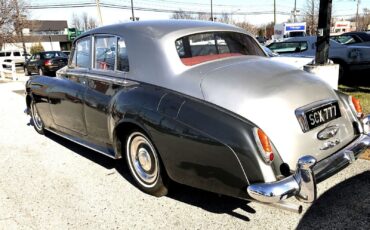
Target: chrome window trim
{"points": [[300, 112], [116, 80], [116, 57]]}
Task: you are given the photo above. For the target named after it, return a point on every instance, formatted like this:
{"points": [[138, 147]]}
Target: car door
{"points": [[32, 63], [110, 66], [67, 95]]}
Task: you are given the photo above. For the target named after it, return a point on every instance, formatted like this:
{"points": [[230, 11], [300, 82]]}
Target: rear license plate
{"points": [[321, 115]]}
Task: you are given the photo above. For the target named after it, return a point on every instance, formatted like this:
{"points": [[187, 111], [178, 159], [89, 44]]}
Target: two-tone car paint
{"points": [[201, 118]]}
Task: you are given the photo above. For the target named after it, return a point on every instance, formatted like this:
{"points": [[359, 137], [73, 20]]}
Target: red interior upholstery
{"points": [[199, 59]]}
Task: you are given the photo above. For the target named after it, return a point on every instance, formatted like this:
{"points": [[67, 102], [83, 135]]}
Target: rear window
{"points": [[48, 55], [288, 47], [198, 48]]}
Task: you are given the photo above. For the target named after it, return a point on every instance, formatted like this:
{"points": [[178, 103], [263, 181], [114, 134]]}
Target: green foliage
{"points": [[36, 48]]}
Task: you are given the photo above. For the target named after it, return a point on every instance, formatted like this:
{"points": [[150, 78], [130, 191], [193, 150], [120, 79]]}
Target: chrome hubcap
{"points": [[36, 118], [143, 159]]}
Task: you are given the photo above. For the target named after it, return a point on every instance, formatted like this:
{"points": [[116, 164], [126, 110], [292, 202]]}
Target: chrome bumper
{"points": [[302, 184]]}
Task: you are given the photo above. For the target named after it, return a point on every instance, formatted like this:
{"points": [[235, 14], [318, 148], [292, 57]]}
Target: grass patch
{"points": [[362, 93]]}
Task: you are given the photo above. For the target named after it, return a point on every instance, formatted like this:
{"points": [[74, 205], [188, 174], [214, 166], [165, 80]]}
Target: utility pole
{"points": [[19, 28], [99, 12], [212, 19], [132, 10], [358, 3], [295, 11], [274, 12], [312, 30], [323, 32]]}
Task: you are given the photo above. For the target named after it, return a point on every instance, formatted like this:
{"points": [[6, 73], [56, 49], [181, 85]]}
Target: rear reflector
{"points": [[264, 146], [357, 107]]}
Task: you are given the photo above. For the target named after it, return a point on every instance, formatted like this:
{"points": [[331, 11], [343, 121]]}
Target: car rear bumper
{"points": [[302, 184]]}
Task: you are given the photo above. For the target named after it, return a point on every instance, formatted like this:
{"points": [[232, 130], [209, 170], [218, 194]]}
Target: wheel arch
{"points": [[121, 132]]}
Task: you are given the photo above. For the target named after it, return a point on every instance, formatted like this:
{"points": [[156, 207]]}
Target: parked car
{"points": [[298, 62], [349, 57], [46, 63], [201, 104], [353, 38], [10, 55]]}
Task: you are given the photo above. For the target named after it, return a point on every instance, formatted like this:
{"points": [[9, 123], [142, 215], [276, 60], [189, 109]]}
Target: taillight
{"points": [[264, 145], [356, 106], [47, 62]]}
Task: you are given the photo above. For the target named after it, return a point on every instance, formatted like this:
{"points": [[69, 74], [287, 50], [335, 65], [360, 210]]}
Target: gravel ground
{"points": [[50, 183]]}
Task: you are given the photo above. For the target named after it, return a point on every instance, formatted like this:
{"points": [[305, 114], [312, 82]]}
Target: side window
{"points": [[37, 57], [122, 58], [17, 54], [82, 54], [288, 47], [105, 52], [2, 54]]}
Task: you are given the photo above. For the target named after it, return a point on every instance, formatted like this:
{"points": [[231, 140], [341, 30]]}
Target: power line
{"points": [[116, 6]]}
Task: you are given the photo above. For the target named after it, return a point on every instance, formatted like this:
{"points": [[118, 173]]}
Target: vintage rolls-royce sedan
{"points": [[200, 103]]}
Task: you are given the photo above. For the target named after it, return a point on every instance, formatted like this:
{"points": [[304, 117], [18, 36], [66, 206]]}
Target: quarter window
{"points": [[105, 52], [82, 54]]}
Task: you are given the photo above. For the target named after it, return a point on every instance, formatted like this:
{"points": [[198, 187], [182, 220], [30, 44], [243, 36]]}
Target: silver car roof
{"points": [[157, 29]]}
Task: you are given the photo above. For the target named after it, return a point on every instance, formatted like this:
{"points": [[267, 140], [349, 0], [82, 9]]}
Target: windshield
{"points": [[49, 55], [198, 48]]}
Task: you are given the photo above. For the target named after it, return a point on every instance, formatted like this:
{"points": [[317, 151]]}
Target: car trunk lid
{"points": [[268, 94]]}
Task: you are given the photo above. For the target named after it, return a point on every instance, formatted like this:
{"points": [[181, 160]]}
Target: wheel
{"points": [[144, 164], [36, 119]]}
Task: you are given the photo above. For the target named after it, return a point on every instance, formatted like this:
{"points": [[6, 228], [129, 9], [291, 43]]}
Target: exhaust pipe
{"points": [[296, 208]]}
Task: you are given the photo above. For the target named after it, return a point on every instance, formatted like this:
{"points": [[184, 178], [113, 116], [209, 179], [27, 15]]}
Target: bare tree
{"points": [[363, 20], [203, 16], [311, 15], [225, 18], [180, 14], [83, 22], [248, 27], [12, 18]]}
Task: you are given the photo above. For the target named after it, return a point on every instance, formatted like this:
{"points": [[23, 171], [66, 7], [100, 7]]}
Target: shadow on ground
{"points": [[345, 206], [208, 201]]}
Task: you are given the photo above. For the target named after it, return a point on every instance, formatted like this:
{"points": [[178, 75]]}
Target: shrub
{"points": [[36, 48]]}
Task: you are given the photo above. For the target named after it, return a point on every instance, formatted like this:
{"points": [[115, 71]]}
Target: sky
{"points": [[252, 11]]}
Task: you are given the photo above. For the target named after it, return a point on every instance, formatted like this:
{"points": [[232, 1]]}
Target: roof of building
{"points": [[46, 25]]}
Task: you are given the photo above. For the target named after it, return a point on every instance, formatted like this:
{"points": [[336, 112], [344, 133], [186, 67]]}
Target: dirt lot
{"points": [[50, 183]]}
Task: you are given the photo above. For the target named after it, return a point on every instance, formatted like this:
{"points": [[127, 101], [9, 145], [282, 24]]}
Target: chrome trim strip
{"points": [[115, 80], [84, 145]]}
